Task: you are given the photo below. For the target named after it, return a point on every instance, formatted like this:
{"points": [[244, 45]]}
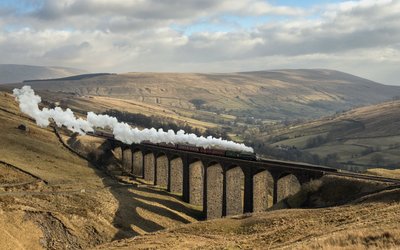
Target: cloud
{"points": [[361, 37], [159, 10], [67, 52]]}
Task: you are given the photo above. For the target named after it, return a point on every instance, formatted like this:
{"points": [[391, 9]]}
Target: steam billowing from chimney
{"points": [[29, 104]]}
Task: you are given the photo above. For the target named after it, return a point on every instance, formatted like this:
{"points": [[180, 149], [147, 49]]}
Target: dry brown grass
{"points": [[51, 198], [101, 104], [353, 214], [369, 224], [68, 203], [390, 173]]}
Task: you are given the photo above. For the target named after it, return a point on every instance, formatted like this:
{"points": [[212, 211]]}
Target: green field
{"points": [[366, 137]]}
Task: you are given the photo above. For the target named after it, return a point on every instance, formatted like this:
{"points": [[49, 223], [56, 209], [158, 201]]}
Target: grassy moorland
{"points": [[264, 95], [250, 107], [51, 198]]}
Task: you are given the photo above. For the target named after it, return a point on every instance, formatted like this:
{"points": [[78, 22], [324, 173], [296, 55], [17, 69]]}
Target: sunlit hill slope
{"points": [[363, 138], [268, 95]]}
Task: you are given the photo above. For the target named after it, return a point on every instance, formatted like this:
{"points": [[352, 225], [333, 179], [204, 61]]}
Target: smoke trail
{"points": [[29, 104]]}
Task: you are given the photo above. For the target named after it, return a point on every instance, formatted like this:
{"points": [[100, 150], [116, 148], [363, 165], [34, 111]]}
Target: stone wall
{"points": [[162, 171], [287, 186], [127, 161], [234, 191], [138, 163], [149, 163], [176, 175], [214, 191], [196, 178], [263, 185]]}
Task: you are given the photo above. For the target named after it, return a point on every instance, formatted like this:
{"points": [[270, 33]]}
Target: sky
{"points": [[358, 37]]}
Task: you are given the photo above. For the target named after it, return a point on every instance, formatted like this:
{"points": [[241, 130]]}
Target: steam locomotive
{"points": [[189, 147]]}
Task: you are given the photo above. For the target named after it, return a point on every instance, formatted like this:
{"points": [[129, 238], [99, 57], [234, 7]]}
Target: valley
{"points": [[64, 199], [361, 138]]}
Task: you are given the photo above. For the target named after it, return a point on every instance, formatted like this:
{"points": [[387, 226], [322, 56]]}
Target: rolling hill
{"points": [[265, 95], [13, 73], [363, 137], [50, 198]]}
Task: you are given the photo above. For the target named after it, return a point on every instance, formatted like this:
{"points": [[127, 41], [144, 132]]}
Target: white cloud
{"points": [[361, 37]]}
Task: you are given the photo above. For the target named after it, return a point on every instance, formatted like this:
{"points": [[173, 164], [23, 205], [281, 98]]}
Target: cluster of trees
{"points": [[217, 132], [316, 141], [197, 103]]}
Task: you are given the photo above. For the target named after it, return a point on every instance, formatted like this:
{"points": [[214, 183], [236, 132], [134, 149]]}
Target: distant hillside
{"points": [[69, 78], [265, 95], [13, 73], [361, 138]]}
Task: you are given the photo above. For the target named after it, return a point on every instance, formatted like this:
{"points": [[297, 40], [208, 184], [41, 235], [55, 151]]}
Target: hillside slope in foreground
{"points": [[372, 223], [51, 198], [337, 213]]}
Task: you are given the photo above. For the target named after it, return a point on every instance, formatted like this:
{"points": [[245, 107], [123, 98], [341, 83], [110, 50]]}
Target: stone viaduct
{"points": [[222, 186]]}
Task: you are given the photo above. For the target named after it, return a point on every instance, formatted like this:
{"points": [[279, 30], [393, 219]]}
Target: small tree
{"points": [[197, 102], [331, 160], [378, 160]]}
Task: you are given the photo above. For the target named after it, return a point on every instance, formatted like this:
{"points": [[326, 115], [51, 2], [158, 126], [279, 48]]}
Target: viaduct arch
{"points": [[221, 186]]}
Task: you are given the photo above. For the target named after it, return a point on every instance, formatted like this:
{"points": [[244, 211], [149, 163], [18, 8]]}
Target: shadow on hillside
{"points": [[140, 209]]}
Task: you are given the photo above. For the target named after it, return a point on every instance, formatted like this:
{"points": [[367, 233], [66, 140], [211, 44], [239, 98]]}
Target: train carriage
{"points": [[188, 147], [213, 151]]}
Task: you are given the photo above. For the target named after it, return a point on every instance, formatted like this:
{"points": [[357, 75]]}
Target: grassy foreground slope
{"points": [[370, 220], [365, 137], [51, 198], [267, 95]]}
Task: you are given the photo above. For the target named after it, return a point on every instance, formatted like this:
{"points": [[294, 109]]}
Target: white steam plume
{"points": [[28, 103]]}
